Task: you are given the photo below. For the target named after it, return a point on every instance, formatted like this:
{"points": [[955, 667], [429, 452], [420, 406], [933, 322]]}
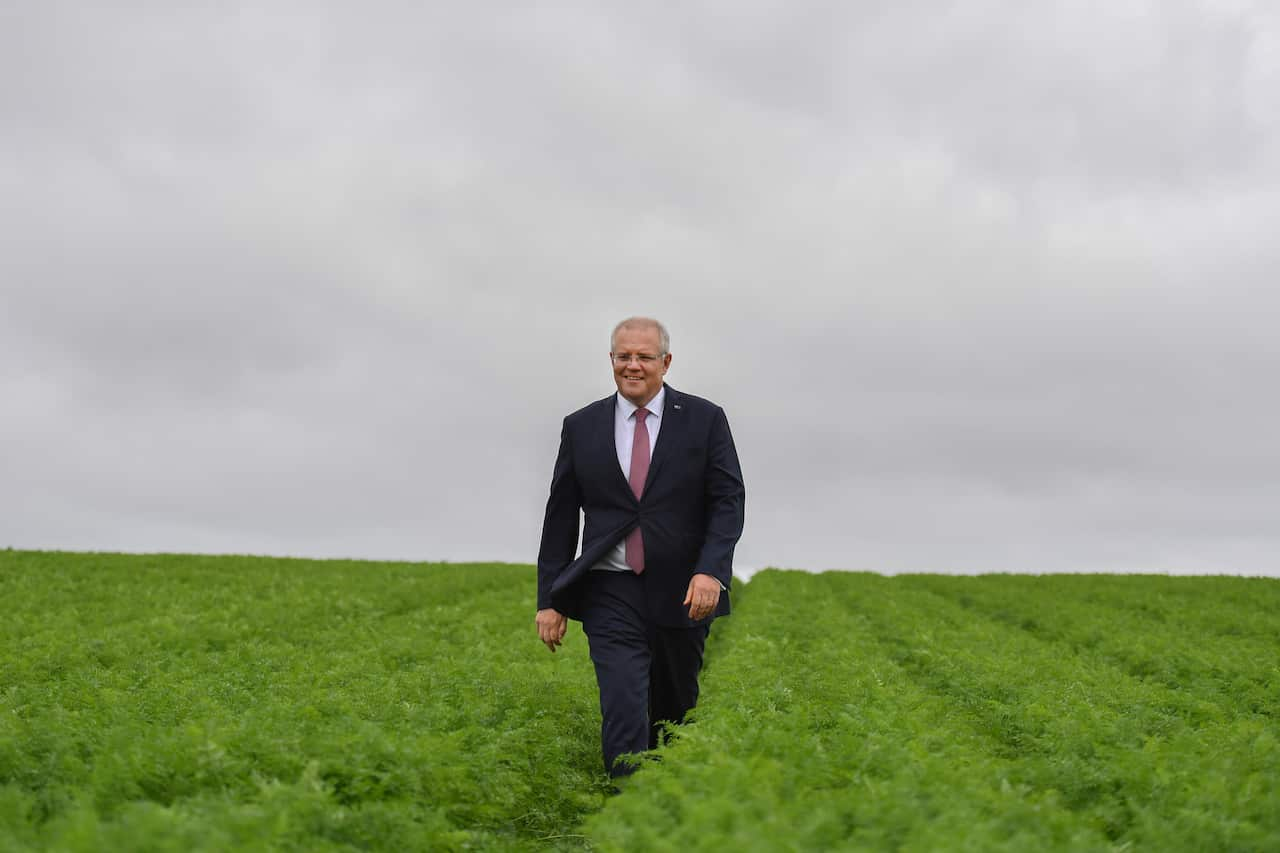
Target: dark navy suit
{"points": [[646, 650]]}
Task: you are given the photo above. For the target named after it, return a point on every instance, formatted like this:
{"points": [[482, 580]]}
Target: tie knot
{"points": [[641, 414]]}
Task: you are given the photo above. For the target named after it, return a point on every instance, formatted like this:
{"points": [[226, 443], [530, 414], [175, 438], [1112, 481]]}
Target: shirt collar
{"points": [[627, 408]]}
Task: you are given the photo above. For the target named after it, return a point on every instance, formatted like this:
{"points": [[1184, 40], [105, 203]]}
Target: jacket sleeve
{"points": [[560, 524], [726, 503]]}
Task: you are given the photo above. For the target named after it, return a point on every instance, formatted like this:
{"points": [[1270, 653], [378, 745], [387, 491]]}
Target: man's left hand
{"points": [[703, 596]]}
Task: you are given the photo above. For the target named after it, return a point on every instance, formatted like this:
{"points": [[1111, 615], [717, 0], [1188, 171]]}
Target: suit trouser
{"points": [[647, 673]]}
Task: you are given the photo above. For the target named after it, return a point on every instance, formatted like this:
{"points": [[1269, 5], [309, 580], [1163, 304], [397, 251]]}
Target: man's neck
{"points": [[646, 403]]}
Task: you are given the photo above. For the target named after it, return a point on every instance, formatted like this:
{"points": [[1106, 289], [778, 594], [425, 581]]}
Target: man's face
{"points": [[639, 379]]}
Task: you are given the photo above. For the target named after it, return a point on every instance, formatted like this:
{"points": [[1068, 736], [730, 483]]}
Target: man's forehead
{"points": [[638, 335]]}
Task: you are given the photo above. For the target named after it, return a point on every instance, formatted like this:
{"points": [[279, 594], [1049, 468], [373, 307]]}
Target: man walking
{"points": [[656, 476]]}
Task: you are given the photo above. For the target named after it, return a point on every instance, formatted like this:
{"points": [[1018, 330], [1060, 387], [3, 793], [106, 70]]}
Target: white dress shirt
{"points": [[624, 437]]}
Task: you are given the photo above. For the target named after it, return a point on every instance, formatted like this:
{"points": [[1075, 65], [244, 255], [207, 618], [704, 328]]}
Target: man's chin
{"points": [[635, 392]]}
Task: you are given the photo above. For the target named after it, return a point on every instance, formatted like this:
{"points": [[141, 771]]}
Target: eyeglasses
{"points": [[623, 358]]}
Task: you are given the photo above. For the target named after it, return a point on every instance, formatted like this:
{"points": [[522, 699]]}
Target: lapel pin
{"points": [[677, 405]]}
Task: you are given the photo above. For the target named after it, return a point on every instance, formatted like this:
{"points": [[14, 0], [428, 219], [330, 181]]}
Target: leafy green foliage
{"points": [[850, 711], [222, 703], [214, 703]]}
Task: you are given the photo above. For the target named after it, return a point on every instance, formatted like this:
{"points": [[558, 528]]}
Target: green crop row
{"points": [[813, 737], [222, 703], [1219, 649], [188, 703], [861, 712], [1144, 761]]}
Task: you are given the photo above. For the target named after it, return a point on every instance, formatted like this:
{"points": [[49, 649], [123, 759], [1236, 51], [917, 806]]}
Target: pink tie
{"points": [[639, 470]]}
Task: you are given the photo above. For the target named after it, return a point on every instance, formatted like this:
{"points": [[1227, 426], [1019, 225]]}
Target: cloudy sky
{"points": [[987, 286]]}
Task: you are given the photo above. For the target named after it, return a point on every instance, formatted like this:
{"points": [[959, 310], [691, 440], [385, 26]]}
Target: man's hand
{"points": [[703, 596], [551, 627]]}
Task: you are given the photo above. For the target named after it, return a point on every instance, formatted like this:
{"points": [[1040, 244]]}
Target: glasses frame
{"points": [[643, 359]]}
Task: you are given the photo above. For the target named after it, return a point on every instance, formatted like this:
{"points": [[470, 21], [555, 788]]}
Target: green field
{"points": [[222, 703]]}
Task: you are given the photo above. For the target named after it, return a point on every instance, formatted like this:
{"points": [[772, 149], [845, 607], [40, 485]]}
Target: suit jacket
{"points": [[690, 512]]}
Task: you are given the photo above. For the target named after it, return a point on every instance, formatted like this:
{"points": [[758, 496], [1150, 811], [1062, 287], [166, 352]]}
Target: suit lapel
{"points": [[607, 450], [669, 436]]}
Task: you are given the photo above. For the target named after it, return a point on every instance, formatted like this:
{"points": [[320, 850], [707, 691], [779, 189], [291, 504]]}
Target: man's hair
{"points": [[643, 323]]}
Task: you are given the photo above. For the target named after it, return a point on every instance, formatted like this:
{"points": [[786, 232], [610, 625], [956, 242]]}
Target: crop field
{"points": [[237, 703]]}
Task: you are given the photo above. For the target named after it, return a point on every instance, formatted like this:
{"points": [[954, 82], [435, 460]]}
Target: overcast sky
{"points": [[987, 286]]}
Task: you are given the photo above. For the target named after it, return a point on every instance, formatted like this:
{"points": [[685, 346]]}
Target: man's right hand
{"points": [[551, 627]]}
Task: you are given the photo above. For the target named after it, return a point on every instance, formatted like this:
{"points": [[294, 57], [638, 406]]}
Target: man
{"points": [[656, 475]]}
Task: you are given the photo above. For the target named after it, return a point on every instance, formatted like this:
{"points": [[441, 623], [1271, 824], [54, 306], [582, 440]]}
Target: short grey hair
{"points": [[643, 323]]}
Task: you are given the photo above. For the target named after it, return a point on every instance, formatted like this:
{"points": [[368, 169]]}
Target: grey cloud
{"points": [[978, 291]]}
